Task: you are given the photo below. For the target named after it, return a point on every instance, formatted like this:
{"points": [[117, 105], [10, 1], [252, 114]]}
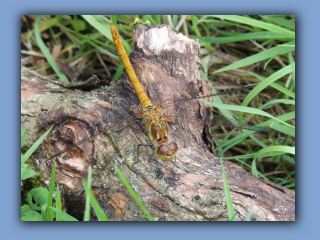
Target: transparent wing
{"points": [[169, 104], [218, 120], [215, 120], [113, 128]]}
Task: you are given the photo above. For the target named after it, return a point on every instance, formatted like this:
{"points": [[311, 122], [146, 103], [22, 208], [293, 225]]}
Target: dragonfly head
{"points": [[167, 151]]}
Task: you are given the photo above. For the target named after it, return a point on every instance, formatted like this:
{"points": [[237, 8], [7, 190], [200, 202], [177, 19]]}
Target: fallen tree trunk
{"points": [[188, 189]]}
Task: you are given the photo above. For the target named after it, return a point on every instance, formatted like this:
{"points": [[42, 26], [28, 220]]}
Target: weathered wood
{"points": [[189, 189]]}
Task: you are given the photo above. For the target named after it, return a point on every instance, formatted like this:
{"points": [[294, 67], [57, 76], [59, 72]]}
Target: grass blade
{"points": [[58, 204], [283, 129], [281, 21], [63, 215], [259, 24], [247, 110], [97, 209], [264, 35], [46, 53], [217, 99], [34, 146], [254, 170], [44, 212], [231, 212], [267, 82], [88, 187], [50, 194], [249, 214], [133, 194], [277, 86], [104, 29], [275, 150], [270, 53], [232, 142]]}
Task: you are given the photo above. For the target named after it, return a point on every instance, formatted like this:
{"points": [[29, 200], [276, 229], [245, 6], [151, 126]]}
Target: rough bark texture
{"points": [[189, 189]]}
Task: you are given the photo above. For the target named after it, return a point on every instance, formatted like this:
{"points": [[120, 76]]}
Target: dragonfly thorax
{"points": [[152, 114]]}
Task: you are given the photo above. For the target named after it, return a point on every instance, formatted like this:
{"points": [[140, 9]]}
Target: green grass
{"points": [[41, 206], [133, 194], [264, 51], [230, 208]]}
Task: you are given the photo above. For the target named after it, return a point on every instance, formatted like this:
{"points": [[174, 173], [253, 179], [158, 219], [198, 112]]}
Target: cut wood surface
{"points": [[188, 189]]}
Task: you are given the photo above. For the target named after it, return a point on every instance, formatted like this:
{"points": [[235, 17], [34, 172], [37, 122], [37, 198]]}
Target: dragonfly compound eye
{"points": [[163, 150], [173, 147]]}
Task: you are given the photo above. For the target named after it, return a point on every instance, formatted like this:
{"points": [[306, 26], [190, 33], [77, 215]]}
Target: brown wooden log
{"points": [[188, 189]]}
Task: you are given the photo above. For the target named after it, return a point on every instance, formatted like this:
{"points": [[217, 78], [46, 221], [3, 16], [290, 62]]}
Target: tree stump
{"points": [[188, 189]]}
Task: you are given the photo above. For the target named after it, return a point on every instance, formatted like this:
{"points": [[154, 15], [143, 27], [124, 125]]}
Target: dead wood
{"points": [[189, 189]]}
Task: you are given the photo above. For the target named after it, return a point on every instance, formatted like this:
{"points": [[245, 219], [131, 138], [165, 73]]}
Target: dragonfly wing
{"points": [[66, 139], [235, 90], [218, 120], [70, 136]]}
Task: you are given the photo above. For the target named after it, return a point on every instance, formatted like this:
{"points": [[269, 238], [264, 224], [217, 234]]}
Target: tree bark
{"points": [[188, 189]]}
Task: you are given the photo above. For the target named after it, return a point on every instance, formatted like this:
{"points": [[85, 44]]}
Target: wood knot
{"points": [[135, 57], [71, 149]]}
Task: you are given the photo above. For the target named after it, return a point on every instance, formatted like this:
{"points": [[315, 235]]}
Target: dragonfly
{"points": [[155, 121], [154, 117]]}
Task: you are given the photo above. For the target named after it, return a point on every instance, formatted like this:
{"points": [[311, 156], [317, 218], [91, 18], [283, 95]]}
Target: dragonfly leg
{"points": [[128, 124], [173, 178], [142, 145], [150, 158]]}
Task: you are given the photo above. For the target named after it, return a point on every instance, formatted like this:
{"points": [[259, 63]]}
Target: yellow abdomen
{"points": [[144, 100]]}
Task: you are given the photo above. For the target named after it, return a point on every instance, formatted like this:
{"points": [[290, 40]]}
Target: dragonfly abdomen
{"points": [[144, 100]]}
